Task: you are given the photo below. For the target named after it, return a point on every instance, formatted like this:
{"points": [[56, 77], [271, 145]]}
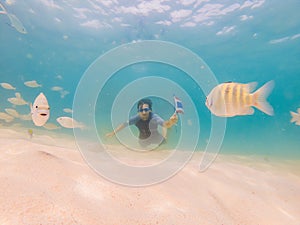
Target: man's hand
{"points": [[111, 134], [174, 119]]}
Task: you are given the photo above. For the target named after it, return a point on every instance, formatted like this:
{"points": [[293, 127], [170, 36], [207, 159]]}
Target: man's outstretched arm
{"points": [[173, 120], [120, 127]]}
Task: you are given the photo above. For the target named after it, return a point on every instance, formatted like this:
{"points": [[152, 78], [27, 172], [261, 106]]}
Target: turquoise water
{"points": [[240, 41]]}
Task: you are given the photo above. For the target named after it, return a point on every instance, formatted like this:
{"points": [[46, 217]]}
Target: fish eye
{"points": [[36, 106], [209, 102]]}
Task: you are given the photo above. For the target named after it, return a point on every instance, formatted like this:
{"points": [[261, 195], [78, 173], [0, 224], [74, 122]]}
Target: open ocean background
{"points": [[240, 41]]}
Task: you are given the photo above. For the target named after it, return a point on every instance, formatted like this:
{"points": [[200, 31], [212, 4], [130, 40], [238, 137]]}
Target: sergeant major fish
{"points": [[40, 111], [233, 99]]}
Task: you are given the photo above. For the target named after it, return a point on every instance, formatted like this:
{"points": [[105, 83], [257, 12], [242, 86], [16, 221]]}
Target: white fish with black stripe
{"points": [[233, 99]]}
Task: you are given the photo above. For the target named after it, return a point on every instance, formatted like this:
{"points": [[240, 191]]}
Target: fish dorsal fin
{"points": [[2, 7], [251, 86], [18, 95]]}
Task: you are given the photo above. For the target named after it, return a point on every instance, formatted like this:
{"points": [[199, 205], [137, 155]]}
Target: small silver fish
{"points": [[18, 100], [32, 84], [40, 111], [6, 117], [69, 122], [68, 110], [7, 86], [12, 112], [14, 21], [232, 99], [51, 126]]}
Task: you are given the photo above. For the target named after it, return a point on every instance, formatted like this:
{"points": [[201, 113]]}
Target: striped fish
{"points": [[233, 99]]}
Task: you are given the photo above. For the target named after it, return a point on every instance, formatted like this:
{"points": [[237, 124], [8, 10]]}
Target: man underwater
{"points": [[147, 123]]}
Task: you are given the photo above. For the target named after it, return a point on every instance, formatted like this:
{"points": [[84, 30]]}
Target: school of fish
{"points": [[225, 100], [39, 110]]}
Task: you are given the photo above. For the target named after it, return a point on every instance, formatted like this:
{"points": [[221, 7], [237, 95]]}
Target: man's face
{"points": [[144, 111]]}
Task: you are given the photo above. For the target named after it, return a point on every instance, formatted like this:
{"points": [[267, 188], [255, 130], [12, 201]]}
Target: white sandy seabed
{"points": [[44, 183]]}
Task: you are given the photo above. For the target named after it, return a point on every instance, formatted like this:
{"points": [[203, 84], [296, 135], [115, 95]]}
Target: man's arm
{"points": [[120, 127], [131, 121], [173, 120], [164, 132]]}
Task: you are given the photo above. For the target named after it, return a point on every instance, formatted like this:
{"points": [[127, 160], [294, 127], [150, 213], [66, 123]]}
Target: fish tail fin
{"points": [[83, 127], [4, 10], [260, 98], [294, 117]]}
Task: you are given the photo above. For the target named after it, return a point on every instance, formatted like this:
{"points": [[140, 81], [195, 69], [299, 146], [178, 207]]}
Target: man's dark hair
{"points": [[144, 101]]}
